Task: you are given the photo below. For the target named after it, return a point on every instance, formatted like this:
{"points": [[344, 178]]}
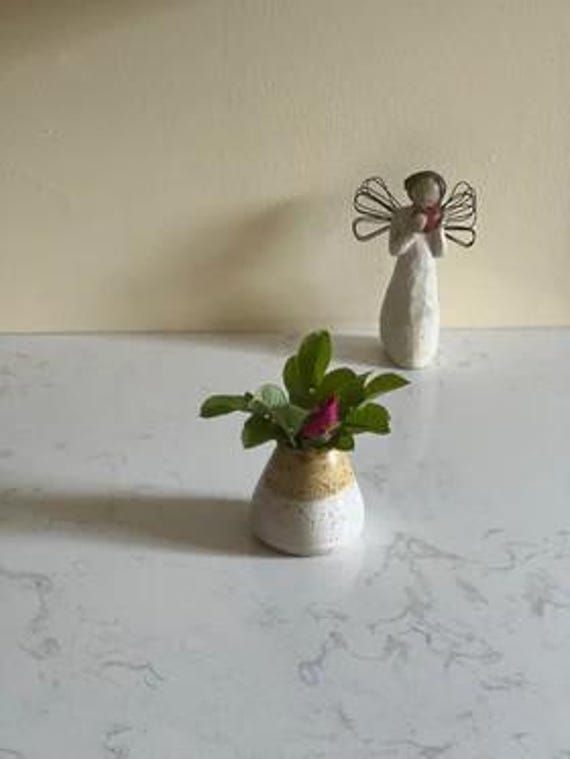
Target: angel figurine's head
{"points": [[425, 188]]}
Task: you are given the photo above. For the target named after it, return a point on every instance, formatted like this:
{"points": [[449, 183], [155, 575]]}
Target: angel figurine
{"points": [[409, 318]]}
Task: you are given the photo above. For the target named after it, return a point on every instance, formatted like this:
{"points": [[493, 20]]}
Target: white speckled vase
{"points": [[307, 502]]}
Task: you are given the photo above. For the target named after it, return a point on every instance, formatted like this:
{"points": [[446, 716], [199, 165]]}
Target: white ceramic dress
{"points": [[409, 319]]}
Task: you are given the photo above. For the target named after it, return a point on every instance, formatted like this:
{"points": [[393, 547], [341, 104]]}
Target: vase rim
{"points": [[307, 452]]}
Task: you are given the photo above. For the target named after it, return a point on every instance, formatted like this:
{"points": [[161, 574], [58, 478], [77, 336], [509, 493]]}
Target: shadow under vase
{"points": [[200, 524]]}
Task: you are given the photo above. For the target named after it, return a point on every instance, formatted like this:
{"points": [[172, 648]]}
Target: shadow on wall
{"points": [[35, 25], [244, 273]]}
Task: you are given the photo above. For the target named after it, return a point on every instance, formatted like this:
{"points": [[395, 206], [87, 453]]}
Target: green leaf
{"points": [[217, 405], [369, 418], [334, 381], [258, 430], [384, 383], [313, 357], [271, 396], [290, 418], [271, 403], [344, 441], [293, 381], [351, 395]]}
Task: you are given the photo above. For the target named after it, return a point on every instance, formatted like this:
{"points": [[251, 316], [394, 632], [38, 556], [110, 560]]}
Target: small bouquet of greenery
{"points": [[320, 409]]}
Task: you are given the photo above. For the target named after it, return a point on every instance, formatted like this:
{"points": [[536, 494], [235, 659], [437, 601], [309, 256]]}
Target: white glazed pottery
{"points": [[409, 318], [418, 234], [307, 502]]}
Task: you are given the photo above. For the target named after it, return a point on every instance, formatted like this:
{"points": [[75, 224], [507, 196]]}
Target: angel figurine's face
{"points": [[425, 192]]}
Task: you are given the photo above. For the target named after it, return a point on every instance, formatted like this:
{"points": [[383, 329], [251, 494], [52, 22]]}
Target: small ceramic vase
{"points": [[307, 502]]}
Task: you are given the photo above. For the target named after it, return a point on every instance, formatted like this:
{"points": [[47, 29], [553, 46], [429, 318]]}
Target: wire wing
{"points": [[375, 205], [460, 215]]}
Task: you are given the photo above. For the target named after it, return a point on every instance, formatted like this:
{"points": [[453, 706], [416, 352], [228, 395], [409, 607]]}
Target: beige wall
{"points": [[190, 164]]}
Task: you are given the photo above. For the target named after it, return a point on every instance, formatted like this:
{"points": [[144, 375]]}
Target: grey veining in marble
{"points": [[139, 619]]}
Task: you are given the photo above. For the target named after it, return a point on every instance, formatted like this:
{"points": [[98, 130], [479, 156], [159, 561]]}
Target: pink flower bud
{"points": [[323, 419]]}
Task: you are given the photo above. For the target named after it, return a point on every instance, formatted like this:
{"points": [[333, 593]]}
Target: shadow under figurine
{"points": [[409, 318]]}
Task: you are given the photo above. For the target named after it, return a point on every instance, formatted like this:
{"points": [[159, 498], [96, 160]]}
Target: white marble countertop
{"points": [[140, 621]]}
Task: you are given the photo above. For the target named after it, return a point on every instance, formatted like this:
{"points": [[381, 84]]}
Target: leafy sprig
{"points": [[318, 409]]}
